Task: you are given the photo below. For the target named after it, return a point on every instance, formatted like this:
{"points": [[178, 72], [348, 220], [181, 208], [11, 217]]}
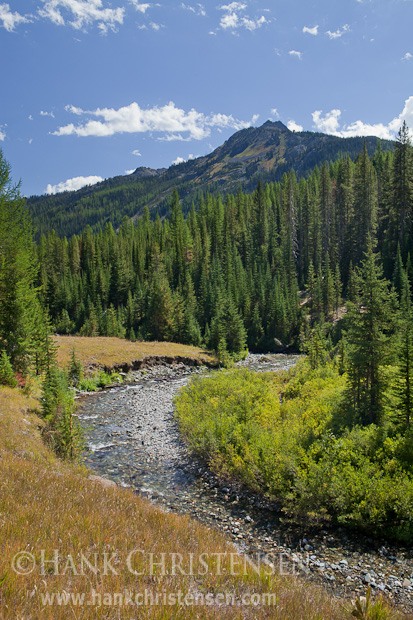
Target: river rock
{"points": [[141, 418], [104, 482]]}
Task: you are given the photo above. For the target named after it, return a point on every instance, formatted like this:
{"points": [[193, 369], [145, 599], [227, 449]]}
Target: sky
{"points": [[92, 89]]}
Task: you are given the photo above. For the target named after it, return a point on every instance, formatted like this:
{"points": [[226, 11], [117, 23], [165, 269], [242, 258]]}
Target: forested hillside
{"points": [[228, 274], [320, 264], [266, 152]]}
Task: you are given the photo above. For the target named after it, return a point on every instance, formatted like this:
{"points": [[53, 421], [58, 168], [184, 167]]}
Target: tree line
{"points": [[260, 270], [229, 273]]}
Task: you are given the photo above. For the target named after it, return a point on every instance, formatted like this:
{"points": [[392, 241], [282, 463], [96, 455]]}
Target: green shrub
{"points": [[88, 384], [62, 431], [76, 373], [287, 436], [6, 371], [100, 380]]}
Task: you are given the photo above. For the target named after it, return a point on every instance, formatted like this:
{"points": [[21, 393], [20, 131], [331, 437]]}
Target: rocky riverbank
{"points": [[133, 439]]}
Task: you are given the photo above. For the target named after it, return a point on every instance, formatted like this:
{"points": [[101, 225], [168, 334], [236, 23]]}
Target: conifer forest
{"points": [[319, 265]]}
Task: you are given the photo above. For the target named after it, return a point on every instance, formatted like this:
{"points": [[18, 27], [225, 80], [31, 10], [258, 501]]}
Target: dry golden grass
{"points": [[50, 505], [109, 352]]}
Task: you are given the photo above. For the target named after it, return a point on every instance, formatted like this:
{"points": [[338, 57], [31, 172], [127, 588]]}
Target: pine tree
{"points": [[7, 376], [75, 370], [399, 274], [260, 222], [57, 402], [256, 331], [177, 239], [364, 224], [328, 289], [402, 186], [326, 212], [160, 313], [311, 285], [404, 388], [337, 288], [370, 325], [19, 307]]}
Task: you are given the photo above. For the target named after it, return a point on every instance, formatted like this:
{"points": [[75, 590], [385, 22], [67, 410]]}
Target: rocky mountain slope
{"points": [[265, 152]]}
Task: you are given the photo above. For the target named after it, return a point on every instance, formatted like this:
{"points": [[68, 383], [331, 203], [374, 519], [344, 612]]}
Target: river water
{"points": [[132, 438]]}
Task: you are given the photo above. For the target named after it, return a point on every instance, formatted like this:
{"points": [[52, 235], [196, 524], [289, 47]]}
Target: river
{"points": [[133, 439]]}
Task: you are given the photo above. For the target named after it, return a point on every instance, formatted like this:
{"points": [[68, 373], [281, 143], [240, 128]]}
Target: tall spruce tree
{"points": [[19, 308], [404, 387], [402, 186], [371, 322]]}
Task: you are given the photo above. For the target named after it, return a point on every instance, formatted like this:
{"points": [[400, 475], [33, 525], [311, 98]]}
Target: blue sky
{"points": [[93, 89]]}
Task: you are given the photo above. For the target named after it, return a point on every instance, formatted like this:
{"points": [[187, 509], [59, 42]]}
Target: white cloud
{"points": [[11, 20], [43, 113], [168, 120], [199, 9], [274, 112], [172, 137], [232, 18], [338, 33], [330, 124], [313, 30], [82, 13], [74, 110], [296, 54], [2, 133], [130, 171], [181, 160], [254, 119], [253, 24], [155, 26], [327, 124], [30, 117], [71, 185], [407, 56], [141, 7], [178, 160], [137, 153], [292, 126], [234, 6], [30, 140]]}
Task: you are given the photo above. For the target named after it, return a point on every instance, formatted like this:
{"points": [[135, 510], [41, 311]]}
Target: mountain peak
{"points": [[266, 152], [275, 125], [144, 172]]}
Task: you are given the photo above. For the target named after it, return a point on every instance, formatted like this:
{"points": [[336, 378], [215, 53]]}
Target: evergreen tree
{"points": [[404, 387], [160, 313], [399, 274], [364, 223], [402, 186], [19, 308], [369, 327], [6, 371]]}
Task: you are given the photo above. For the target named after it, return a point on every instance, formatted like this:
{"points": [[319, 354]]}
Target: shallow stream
{"points": [[133, 439]]}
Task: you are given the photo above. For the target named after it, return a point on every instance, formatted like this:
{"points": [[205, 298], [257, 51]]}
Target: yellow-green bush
{"points": [[287, 436]]}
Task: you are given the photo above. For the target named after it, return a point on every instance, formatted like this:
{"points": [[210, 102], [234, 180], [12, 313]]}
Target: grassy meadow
{"points": [[48, 504], [99, 352]]}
